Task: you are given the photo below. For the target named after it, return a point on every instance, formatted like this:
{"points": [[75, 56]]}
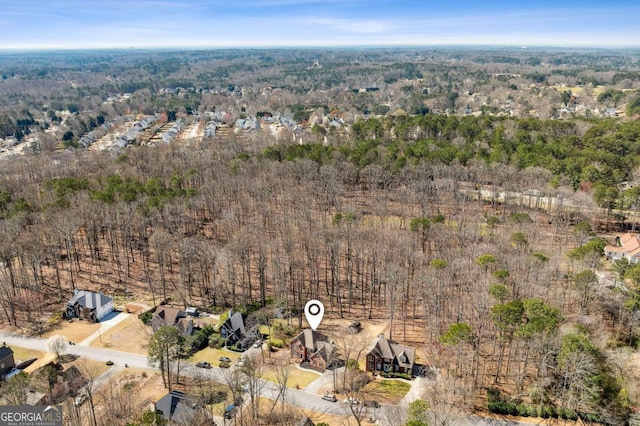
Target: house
{"points": [[305, 421], [313, 348], [7, 363], [233, 329], [172, 317], [387, 356], [176, 406], [89, 305], [626, 246]]}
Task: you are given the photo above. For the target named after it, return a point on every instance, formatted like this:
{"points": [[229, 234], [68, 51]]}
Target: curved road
{"points": [[300, 398]]}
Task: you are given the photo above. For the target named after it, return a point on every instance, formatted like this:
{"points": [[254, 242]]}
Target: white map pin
{"points": [[314, 311]]}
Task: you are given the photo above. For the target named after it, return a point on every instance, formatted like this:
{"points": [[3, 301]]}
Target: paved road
{"points": [[301, 398]]}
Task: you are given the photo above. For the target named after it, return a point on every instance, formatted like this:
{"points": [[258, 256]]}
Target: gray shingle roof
{"points": [[89, 299]]}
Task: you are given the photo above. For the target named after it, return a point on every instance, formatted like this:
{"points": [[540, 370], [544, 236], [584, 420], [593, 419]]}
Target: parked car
{"points": [[329, 397], [257, 344], [203, 364], [371, 403], [229, 411], [224, 359], [351, 400], [224, 364]]}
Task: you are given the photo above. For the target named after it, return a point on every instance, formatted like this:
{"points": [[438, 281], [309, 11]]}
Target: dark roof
{"points": [[174, 405], [305, 421], [5, 351], [89, 299], [235, 323], [401, 355]]}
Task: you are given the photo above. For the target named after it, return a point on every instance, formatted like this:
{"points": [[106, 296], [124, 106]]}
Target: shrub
{"points": [[277, 343], [523, 410], [391, 375], [216, 341], [217, 397], [145, 317]]}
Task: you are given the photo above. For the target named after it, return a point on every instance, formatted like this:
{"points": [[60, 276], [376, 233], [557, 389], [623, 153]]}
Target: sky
{"points": [[84, 24]]}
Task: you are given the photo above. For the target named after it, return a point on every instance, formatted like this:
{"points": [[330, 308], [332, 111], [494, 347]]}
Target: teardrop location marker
{"points": [[314, 311]]}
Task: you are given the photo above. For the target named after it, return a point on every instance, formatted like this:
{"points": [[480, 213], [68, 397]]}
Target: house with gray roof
{"points": [[385, 355], [89, 305], [176, 407], [233, 329], [7, 362]]}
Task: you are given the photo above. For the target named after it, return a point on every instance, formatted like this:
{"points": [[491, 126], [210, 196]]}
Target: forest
{"points": [[516, 306]]}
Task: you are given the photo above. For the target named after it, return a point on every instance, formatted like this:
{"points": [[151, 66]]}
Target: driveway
{"points": [[113, 319]]}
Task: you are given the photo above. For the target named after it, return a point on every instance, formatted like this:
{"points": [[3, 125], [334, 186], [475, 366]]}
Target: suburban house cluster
{"points": [[315, 350]]}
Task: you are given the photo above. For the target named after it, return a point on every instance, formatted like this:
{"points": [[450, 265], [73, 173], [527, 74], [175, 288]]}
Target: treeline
{"points": [[487, 292], [594, 154]]}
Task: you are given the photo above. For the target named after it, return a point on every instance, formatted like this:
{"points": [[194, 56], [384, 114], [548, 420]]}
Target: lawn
{"points": [[75, 331], [23, 354], [129, 335], [211, 355], [297, 376], [388, 391]]}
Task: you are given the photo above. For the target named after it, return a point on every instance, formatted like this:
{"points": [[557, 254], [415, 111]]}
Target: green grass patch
{"points": [[388, 391], [23, 354]]}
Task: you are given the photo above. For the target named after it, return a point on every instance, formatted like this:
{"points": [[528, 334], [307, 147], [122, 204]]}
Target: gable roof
{"points": [[235, 323], [89, 299], [169, 314], [311, 339], [174, 405], [5, 351], [401, 355]]}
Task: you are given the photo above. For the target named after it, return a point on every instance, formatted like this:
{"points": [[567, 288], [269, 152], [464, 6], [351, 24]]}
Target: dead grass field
{"points": [[211, 355], [129, 335], [75, 331], [297, 376]]}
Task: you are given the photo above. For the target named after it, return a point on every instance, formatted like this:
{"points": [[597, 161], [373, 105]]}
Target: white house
{"points": [[627, 246], [89, 305]]}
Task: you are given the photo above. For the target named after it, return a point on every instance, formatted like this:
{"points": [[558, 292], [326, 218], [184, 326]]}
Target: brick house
{"points": [[313, 348], [385, 355]]}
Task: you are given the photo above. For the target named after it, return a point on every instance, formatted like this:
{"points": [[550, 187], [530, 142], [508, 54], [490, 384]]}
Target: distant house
{"points": [[626, 246], [233, 329], [176, 407], [172, 317], [89, 305], [387, 356], [7, 363], [314, 348]]}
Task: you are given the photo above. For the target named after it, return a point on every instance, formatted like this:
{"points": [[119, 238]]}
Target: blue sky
{"points": [[79, 24]]}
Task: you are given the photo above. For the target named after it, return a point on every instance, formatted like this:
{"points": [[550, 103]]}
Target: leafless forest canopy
{"points": [[500, 295]]}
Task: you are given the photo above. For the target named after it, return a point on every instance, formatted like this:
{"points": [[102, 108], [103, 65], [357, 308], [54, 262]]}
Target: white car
{"points": [[257, 344], [351, 400]]}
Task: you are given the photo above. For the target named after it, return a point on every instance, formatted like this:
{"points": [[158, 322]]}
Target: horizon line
{"points": [[327, 46]]}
